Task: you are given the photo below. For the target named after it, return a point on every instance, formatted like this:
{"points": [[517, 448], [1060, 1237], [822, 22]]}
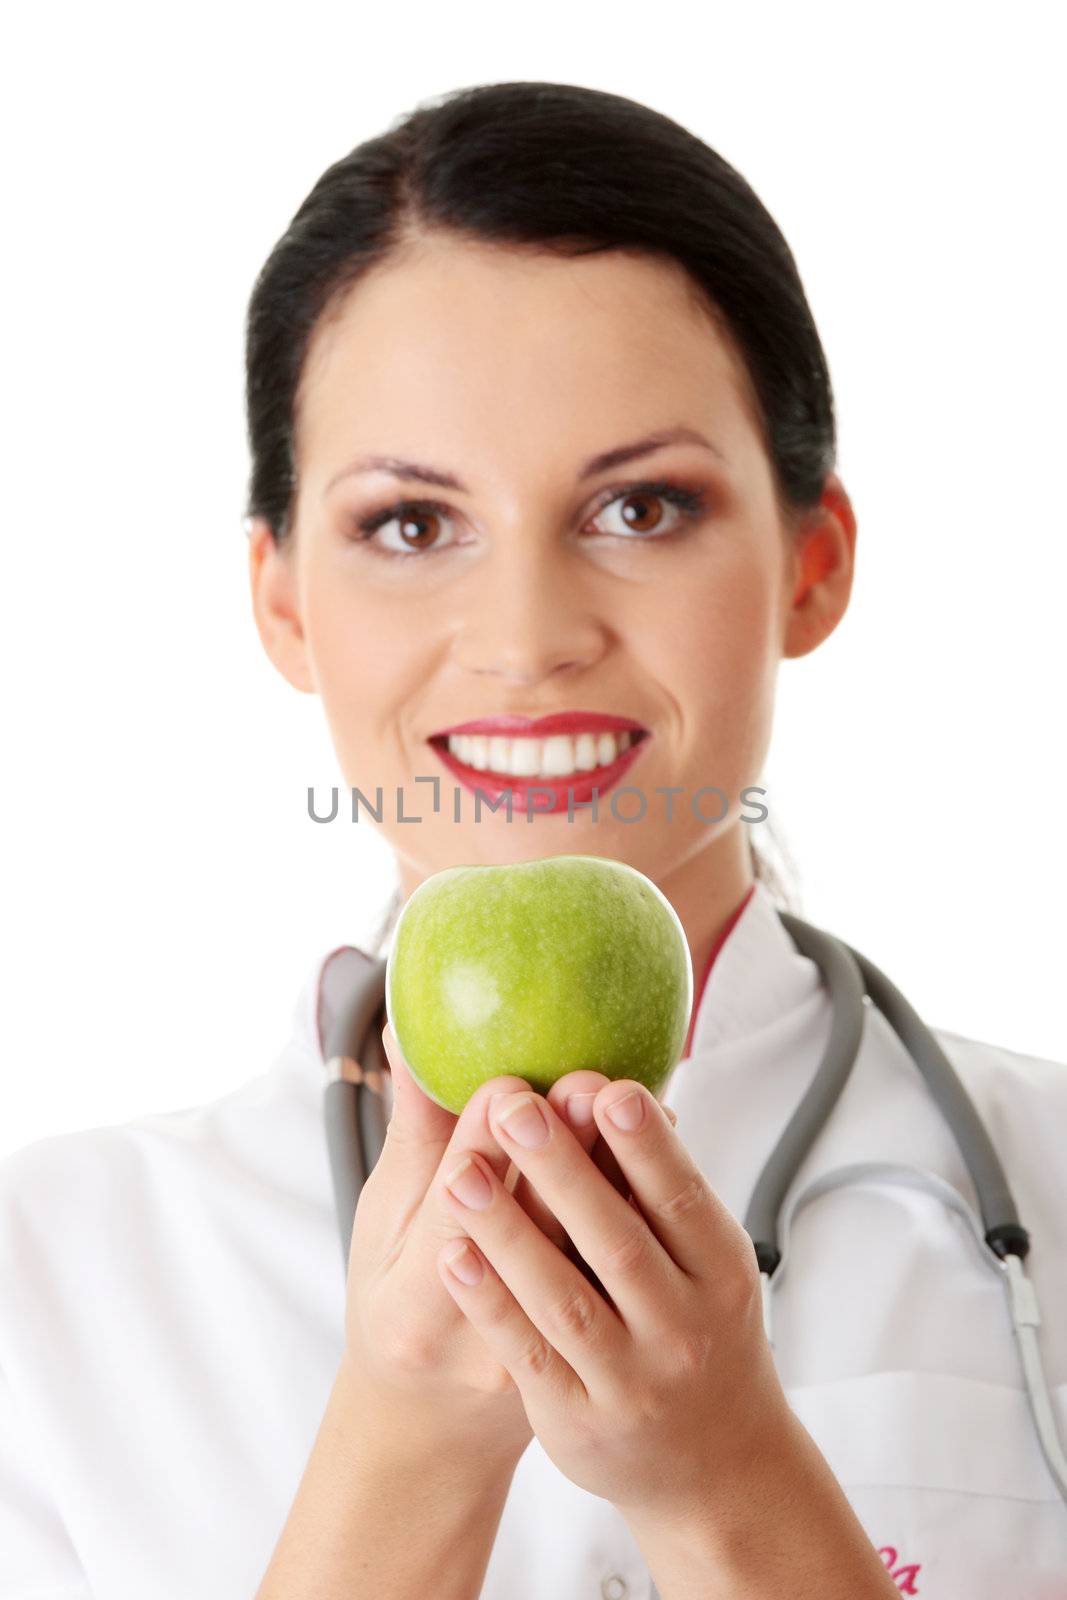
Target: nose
{"points": [[527, 613]]}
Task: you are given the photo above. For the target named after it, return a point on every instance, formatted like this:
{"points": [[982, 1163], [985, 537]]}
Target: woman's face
{"points": [[540, 584]]}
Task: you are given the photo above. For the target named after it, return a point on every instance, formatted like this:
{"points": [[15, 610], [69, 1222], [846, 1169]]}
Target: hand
{"points": [[407, 1343], [657, 1384]]}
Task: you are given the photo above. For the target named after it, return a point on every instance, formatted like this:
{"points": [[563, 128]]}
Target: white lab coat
{"points": [[172, 1297]]}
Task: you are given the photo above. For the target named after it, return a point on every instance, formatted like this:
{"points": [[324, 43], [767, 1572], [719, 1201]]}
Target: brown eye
{"points": [[647, 514], [416, 525], [417, 528], [640, 509]]}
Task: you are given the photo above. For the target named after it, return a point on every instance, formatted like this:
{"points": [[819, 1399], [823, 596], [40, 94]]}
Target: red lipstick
{"points": [[557, 722]]}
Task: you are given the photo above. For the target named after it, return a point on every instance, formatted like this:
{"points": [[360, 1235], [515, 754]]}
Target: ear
{"points": [[275, 605], [820, 570]]}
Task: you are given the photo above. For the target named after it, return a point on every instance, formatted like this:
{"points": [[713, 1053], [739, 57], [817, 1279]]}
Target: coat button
{"points": [[613, 1587]]}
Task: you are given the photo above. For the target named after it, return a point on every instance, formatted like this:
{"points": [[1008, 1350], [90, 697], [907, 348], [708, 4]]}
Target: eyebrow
{"points": [[604, 462]]}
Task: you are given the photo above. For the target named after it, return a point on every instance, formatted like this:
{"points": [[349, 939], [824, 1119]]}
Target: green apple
{"points": [[538, 968]]}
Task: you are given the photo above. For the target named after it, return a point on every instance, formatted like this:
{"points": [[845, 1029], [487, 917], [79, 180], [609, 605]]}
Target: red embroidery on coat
{"points": [[904, 1577]]}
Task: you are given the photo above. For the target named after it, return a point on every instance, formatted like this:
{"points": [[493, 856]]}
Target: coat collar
{"points": [[754, 977]]}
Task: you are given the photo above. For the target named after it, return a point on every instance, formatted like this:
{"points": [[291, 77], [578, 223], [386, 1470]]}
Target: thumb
{"points": [[415, 1118], [416, 1137]]}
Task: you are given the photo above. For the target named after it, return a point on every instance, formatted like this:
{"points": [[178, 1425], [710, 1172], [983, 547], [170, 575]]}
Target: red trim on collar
{"points": [[716, 947]]}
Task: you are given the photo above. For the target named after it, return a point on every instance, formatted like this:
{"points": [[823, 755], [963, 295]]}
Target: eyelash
{"points": [[690, 502]]}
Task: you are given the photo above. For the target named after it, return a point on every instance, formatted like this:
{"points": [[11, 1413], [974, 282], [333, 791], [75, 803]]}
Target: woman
{"points": [[540, 423]]}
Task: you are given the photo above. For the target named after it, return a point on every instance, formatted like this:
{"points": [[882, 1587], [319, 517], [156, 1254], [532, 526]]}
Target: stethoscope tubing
{"points": [[848, 977]]}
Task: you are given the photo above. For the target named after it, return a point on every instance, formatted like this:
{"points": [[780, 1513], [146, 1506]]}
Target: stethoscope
{"points": [[356, 1066]]}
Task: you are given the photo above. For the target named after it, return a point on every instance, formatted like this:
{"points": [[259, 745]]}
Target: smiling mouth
{"points": [[549, 760]]}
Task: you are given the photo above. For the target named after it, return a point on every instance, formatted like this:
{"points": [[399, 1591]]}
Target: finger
{"points": [[678, 1204], [630, 1257], [573, 1097], [545, 1309], [417, 1133], [423, 1134], [608, 1232], [605, 1160], [487, 1303], [584, 1085], [416, 1123]]}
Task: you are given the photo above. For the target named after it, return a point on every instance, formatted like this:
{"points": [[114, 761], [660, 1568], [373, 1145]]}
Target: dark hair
{"points": [[557, 168]]}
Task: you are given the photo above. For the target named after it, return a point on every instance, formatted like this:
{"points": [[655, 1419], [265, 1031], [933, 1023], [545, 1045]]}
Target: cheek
{"points": [[719, 624], [359, 655], [717, 652]]}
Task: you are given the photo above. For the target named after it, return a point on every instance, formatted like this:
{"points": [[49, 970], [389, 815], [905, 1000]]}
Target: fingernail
{"points": [[464, 1264], [629, 1112], [523, 1119], [580, 1109], [469, 1184]]}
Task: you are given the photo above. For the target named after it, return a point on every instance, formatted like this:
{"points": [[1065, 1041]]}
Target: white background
{"points": [[165, 894]]}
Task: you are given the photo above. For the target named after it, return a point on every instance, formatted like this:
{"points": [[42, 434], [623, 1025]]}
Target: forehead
{"points": [[514, 338]]}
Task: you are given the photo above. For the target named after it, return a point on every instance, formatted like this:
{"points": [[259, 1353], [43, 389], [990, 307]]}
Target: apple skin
{"points": [[538, 968]]}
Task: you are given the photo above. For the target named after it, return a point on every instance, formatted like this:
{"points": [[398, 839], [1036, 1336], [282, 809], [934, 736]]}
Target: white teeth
{"points": [[558, 756], [585, 752], [499, 751], [524, 759]]}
